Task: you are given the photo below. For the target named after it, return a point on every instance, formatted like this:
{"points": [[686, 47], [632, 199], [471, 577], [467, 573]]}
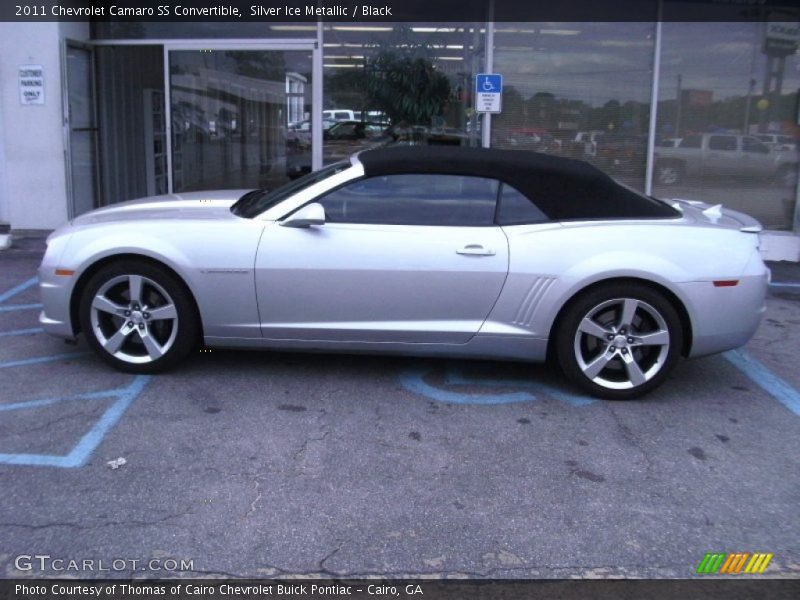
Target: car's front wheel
{"points": [[138, 317], [619, 341]]}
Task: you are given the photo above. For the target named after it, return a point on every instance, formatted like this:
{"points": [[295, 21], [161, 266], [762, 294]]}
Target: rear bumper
{"points": [[724, 318]]}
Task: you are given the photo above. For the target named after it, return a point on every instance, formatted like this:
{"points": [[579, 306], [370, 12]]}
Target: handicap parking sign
{"points": [[488, 92]]}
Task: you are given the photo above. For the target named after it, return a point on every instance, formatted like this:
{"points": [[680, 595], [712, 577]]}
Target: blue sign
{"points": [[488, 92], [488, 83]]}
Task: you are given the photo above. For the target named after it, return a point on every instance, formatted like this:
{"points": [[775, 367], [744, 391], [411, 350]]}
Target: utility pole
{"points": [[678, 109]]}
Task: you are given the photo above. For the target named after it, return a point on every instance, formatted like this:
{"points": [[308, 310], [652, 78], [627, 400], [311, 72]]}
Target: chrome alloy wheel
{"points": [[134, 319], [621, 343]]}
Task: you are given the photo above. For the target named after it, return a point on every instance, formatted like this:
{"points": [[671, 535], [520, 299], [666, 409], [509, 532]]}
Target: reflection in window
{"points": [[580, 90], [452, 200], [517, 209], [715, 80], [722, 142], [691, 141], [409, 83]]}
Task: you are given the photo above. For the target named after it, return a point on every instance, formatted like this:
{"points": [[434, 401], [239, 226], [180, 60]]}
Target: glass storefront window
{"points": [[580, 90], [399, 83], [231, 116], [726, 132], [182, 30], [132, 121]]}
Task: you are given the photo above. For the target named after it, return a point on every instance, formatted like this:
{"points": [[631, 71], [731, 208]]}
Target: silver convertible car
{"points": [[416, 250]]}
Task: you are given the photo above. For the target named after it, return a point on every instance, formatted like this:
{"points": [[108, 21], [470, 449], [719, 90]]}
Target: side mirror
{"points": [[310, 214]]}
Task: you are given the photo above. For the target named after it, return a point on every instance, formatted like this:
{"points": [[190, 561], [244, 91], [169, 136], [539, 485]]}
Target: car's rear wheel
{"points": [[619, 341], [138, 317]]}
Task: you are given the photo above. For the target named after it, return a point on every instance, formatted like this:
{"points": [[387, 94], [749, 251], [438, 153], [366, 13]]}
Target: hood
{"points": [[190, 205]]}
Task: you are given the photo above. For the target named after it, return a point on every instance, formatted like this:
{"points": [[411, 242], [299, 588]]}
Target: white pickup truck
{"points": [[724, 155]]}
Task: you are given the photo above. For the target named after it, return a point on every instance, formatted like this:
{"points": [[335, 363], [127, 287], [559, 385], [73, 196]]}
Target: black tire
{"points": [[669, 173], [138, 337], [579, 353]]}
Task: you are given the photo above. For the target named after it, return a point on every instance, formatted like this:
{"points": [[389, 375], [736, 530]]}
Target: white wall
{"points": [[33, 193]]}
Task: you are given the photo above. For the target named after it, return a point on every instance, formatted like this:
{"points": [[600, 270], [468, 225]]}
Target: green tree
{"points": [[408, 89]]}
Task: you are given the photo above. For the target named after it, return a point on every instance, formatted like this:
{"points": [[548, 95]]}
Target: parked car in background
{"points": [[340, 140], [341, 114], [467, 252], [723, 155], [777, 141], [618, 151], [672, 142], [583, 145], [531, 138]]}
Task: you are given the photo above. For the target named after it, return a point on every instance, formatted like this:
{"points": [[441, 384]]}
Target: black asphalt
{"points": [[269, 464]]}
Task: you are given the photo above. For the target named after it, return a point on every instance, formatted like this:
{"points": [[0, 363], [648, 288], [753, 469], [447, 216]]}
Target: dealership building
{"points": [[98, 112]]}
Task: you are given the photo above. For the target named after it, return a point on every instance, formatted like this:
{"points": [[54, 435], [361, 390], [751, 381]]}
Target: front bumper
{"points": [[55, 292]]}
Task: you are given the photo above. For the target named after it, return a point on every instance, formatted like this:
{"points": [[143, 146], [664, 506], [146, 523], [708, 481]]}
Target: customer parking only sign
{"points": [[488, 92], [31, 84]]}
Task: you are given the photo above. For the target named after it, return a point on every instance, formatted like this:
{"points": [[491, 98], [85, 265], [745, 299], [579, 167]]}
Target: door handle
{"points": [[476, 250]]}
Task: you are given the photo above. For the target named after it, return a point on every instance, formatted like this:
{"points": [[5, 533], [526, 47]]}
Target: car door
{"points": [[400, 258]]}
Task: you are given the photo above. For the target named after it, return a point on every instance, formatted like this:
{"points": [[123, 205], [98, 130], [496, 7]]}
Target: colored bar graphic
{"points": [[758, 563], [733, 563], [711, 563]]}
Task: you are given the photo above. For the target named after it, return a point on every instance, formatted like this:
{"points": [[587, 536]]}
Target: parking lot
{"points": [[270, 464]]}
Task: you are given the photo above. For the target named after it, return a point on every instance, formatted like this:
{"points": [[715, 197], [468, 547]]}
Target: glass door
{"points": [[81, 123], [239, 118]]}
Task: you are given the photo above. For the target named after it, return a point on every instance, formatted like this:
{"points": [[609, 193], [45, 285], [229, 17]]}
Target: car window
{"points": [[691, 141], [722, 142], [786, 139], [517, 209], [418, 199], [753, 145]]}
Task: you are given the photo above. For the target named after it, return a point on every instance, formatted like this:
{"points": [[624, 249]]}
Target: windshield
{"points": [[256, 202]]}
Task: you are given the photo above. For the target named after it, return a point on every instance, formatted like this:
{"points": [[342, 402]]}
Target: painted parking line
{"points": [[29, 331], [13, 307], [768, 381], [457, 377], [787, 286], [414, 381], [41, 359], [80, 453], [18, 289]]}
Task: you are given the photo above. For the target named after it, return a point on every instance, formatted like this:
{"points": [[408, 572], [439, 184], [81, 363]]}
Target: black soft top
{"points": [[562, 188]]}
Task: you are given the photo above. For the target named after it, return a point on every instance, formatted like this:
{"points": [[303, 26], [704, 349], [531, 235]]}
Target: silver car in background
{"points": [[416, 250]]}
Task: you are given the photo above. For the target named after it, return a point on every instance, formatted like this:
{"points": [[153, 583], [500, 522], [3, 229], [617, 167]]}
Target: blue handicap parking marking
{"points": [[80, 453], [18, 289], [768, 381], [15, 332], [13, 307], [414, 381], [41, 359], [121, 397]]}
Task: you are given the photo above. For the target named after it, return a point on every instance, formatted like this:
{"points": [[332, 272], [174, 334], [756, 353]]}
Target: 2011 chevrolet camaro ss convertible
{"points": [[416, 250]]}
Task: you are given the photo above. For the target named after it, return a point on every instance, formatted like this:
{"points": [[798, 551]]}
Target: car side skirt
{"points": [[489, 347]]}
